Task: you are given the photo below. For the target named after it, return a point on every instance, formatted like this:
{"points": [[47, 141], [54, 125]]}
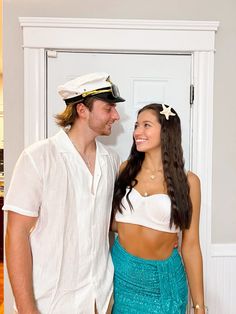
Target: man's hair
{"points": [[69, 115]]}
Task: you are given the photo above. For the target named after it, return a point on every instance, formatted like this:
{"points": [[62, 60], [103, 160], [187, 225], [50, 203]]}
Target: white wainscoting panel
{"points": [[221, 280]]}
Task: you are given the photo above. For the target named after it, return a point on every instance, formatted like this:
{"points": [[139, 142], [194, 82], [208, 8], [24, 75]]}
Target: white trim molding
{"points": [[223, 250], [118, 35], [106, 35], [118, 23]]}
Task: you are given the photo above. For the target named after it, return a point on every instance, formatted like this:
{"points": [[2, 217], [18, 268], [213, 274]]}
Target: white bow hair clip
{"points": [[167, 111]]}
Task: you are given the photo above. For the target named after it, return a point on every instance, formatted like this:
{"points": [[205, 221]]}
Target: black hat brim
{"points": [[108, 97]]}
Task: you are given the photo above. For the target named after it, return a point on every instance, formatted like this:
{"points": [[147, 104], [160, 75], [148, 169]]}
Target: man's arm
{"points": [[19, 261]]}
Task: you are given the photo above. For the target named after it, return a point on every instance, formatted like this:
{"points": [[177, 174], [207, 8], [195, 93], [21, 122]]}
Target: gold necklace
{"points": [[153, 173], [153, 176]]}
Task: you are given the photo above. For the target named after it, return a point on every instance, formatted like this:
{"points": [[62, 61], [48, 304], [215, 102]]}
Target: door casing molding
{"points": [[129, 36]]}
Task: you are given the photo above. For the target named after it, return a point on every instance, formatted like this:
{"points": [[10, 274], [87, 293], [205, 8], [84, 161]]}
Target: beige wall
{"points": [[224, 144]]}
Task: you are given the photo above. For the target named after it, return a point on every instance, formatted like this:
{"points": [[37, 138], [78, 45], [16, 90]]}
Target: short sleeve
{"points": [[24, 195]]}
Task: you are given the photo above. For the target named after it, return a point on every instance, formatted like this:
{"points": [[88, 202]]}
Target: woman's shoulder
{"points": [[193, 180], [123, 165]]}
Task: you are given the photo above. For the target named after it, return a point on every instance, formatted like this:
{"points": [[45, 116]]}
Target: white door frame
{"points": [[129, 36]]}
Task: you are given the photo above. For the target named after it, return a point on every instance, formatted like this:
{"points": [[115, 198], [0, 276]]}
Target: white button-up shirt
{"points": [[72, 266]]}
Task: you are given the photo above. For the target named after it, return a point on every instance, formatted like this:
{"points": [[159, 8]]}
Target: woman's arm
{"points": [[191, 251], [113, 225]]}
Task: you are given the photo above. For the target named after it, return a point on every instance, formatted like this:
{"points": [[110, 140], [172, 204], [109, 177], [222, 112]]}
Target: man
{"points": [[59, 205]]}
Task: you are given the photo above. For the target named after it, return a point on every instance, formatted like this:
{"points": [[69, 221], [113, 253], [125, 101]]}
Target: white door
{"points": [[141, 78]]}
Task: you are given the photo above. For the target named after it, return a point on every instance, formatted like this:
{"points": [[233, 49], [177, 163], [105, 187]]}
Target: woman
{"points": [[154, 200]]}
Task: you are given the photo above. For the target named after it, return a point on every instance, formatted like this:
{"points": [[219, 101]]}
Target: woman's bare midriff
{"points": [[145, 242]]}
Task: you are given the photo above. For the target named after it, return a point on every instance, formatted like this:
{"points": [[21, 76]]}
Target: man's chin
{"points": [[106, 133]]}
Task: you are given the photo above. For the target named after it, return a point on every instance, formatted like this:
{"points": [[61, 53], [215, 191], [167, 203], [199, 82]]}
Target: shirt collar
{"points": [[65, 145]]}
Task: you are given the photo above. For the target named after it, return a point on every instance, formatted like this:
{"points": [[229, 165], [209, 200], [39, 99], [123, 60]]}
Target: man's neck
{"points": [[83, 141]]}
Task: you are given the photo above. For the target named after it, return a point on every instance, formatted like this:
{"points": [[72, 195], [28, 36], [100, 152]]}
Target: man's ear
{"points": [[81, 110]]}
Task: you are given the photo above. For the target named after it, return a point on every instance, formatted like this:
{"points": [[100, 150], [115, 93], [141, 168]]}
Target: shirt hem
{"points": [[19, 210]]}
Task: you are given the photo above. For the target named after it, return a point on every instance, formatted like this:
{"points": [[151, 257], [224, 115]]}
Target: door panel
{"points": [[141, 79]]}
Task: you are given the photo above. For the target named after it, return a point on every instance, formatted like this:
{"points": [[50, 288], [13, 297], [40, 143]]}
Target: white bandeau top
{"points": [[149, 211]]}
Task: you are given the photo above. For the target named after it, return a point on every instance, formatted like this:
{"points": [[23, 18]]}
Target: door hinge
{"points": [[191, 94], [52, 53]]}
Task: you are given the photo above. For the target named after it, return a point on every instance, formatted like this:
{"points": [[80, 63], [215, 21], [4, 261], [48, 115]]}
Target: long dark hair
{"points": [[173, 169]]}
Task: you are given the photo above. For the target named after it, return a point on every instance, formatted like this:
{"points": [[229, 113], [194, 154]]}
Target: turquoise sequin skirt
{"points": [[144, 286]]}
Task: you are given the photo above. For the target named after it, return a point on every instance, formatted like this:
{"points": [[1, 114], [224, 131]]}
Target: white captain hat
{"points": [[96, 84]]}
